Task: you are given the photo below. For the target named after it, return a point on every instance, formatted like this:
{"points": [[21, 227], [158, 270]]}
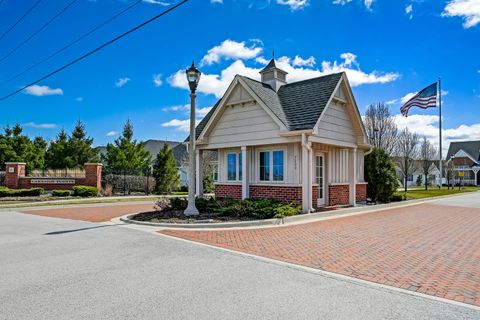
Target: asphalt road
{"points": [[62, 269]]}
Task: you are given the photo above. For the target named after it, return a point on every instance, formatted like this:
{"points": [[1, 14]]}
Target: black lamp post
{"points": [[193, 77]]}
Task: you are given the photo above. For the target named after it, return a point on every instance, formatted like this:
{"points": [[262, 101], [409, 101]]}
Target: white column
{"points": [[245, 173], [352, 173], [199, 172], [306, 204]]}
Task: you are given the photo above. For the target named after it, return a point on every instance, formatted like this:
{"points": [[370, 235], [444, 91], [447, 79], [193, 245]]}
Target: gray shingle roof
{"points": [[470, 147], [297, 105]]}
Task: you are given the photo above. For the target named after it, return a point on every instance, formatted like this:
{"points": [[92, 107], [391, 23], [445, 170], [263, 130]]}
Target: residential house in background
{"points": [[433, 177], [300, 142], [464, 158]]}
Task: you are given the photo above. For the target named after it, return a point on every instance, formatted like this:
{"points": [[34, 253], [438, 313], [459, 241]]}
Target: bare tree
{"points": [[381, 128], [428, 155], [407, 152]]}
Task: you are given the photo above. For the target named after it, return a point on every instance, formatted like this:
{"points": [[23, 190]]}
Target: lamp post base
{"points": [[191, 211]]}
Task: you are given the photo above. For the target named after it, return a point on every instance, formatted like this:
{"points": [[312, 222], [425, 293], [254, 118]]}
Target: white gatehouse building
{"points": [[300, 142]]}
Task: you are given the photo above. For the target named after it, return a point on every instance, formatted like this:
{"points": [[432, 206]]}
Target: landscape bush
{"points": [[85, 191], [33, 192], [61, 193], [228, 207], [287, 210], [396, 197]]}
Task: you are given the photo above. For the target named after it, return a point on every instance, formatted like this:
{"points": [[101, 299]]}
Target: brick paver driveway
{"points": [[99, 213], [427, 248]]}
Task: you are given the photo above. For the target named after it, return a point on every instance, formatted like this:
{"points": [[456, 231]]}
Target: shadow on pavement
{"points": [[76, 230]]}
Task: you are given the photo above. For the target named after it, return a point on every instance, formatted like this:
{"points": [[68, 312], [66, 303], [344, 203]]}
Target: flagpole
{"points": [[440, 128]]}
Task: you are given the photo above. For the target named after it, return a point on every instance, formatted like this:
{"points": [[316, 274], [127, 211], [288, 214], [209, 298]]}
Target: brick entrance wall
{"points": [[338, 195], [15, 178], [361, 192], [228, 191]]}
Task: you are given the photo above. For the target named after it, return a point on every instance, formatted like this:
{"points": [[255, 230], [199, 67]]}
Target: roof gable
{"points": [[472, 148], [296, 106]]}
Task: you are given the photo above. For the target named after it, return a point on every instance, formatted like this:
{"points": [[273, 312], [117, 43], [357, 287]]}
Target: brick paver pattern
{"points": [[426, 248], [93, 213]]}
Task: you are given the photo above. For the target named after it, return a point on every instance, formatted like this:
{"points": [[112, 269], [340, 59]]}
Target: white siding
{"points": [[360, 166], [339, 166], [243, 124], [336, 124], [239, 94]]}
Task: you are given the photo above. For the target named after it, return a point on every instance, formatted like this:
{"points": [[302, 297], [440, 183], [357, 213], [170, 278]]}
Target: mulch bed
{"points": [[177, 216]]}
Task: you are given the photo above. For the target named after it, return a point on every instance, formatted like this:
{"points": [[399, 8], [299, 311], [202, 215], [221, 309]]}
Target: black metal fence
{"points": [[127, 184]]}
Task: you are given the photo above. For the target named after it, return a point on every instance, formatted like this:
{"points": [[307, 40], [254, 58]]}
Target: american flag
{"points": [[427, 98]]}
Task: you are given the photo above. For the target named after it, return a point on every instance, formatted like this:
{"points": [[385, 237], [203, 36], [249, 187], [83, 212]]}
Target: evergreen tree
{"points": [[14, 146], [126, 155], [165, 171], [58, 153], [380, 175], [80, 147]]}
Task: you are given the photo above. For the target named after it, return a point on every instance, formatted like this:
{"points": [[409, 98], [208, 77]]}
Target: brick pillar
{"points": [[93, 175], [14, 170]]}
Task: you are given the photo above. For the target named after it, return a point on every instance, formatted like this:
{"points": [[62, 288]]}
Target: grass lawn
{"points": [[435, 192], [20, 203]]}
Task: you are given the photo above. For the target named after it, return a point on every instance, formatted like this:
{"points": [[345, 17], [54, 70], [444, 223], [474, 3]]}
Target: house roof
{"points": [[470, 147], [297, 105]]}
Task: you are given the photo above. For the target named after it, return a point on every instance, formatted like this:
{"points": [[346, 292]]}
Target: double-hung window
{"points": [[234, 166], [272, 165]]}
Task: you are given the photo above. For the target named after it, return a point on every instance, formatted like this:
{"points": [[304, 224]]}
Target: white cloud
{"points": [[216, 84], [177, 108], [121, 82], [230, 49], [341, 2], [294, 4], [300, 62], [469, 10], [157, 80], [217, 1], [40, 125], [409, 11], [162, 3], [427, 125], [368, 4], [41, 91], [79, 99], [181, 125], [112, 133]]}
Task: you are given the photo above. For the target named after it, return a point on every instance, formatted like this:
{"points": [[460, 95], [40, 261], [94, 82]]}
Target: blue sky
{"points": [[388, 49]]}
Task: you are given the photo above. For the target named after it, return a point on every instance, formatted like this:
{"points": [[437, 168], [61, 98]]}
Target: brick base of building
{"points": [[361, 192], [228, 191], [338, 195], [282, 193]]}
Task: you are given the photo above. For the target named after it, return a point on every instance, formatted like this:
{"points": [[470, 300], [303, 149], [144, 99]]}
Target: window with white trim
{"points": [[234, 166], [271, 165]]}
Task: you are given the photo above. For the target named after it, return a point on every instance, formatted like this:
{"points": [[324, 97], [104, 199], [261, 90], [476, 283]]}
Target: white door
{"points": [[320, 178]]}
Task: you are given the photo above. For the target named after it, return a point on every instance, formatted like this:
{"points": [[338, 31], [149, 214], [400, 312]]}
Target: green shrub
{"points": [[286, 210], [396, 197], [61, 193], [178, 203], [33, 192], [85, 191], [380, 175]]}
